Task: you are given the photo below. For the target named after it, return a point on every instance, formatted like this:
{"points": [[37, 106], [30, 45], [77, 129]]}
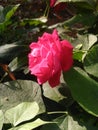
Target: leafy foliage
{"points": [[23, 103]]}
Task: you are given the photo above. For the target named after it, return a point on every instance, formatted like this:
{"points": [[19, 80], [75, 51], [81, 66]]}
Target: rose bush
{"points": [[48, 57]]}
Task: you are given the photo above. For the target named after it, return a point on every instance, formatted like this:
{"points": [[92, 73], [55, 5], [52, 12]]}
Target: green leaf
{"points": [[7, 13], [77, 55], [84, 19], [15, 92], [85, 42], [84, 90], [11, 12], [68, 123], [91, 61], [22, 112], [35, 21], [17, 63], [82, 5], [1, 14], [31, 125], [9, 51], [89, 41], [52, 93], [72, 124], [1, 119], [50, 127]]}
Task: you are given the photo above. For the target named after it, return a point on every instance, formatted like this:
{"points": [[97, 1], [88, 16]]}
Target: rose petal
{"points": [[66, 55], [55, 79]]}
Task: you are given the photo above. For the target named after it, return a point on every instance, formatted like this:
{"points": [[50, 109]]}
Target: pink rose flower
{"points": [[49, 57]]}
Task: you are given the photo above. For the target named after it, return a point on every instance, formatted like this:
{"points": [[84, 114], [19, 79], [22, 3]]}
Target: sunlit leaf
{"points": [[32, 125], [85, 42], [22, 112], [1, 119], [15, 92], [68, 123], [89, 41], [52, 93]]}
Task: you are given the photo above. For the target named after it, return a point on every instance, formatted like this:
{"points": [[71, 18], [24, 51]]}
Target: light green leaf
{"points": [[52, 93], [78, 121], [84, 90], [1, 119], [68, 123], [35, 21], [91, 61], [89, 41], [22, 112], [78, 55], [15, 92], [86, 42], [31, 125]]}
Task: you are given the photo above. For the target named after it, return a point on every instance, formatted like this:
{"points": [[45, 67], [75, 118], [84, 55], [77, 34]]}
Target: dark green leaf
{"points": [[84, 90], [9, 51], [50, 127], [84, 19], [91, 61], [17, 63]]}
